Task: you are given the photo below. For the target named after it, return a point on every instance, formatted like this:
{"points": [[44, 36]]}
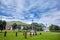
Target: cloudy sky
{"points": [[42, 11]]}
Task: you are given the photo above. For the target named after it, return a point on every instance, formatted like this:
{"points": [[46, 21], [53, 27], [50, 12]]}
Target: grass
{"points": [[44, 36]]}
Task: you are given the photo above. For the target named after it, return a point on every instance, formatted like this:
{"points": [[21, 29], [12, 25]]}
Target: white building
{"points": [[46, 29]]}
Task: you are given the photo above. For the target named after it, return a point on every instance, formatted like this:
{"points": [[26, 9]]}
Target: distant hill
{"points": [[17, 22]]}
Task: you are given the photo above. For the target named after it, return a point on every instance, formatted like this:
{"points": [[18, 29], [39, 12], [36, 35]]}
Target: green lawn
{"points": [[44, 36]]}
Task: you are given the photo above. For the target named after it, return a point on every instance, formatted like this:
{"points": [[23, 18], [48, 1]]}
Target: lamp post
{"points": [[32, 33], [32, 23]]}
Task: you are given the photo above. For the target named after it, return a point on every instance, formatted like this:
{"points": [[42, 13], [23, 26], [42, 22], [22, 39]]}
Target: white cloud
{"points": [[17, 7], [50, 18]]}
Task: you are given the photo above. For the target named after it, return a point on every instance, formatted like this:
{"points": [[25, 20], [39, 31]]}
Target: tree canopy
{"points": [[2, 24], [54, 27], [14, 26]]}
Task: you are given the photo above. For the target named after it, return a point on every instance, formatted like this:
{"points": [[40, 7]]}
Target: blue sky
{"points": [[42, 11]]}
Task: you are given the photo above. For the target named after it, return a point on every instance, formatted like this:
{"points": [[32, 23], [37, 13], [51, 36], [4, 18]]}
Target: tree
{"points": [[14, 26], [56, 27], [53, 27], [38, 27], [2, 25]]}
